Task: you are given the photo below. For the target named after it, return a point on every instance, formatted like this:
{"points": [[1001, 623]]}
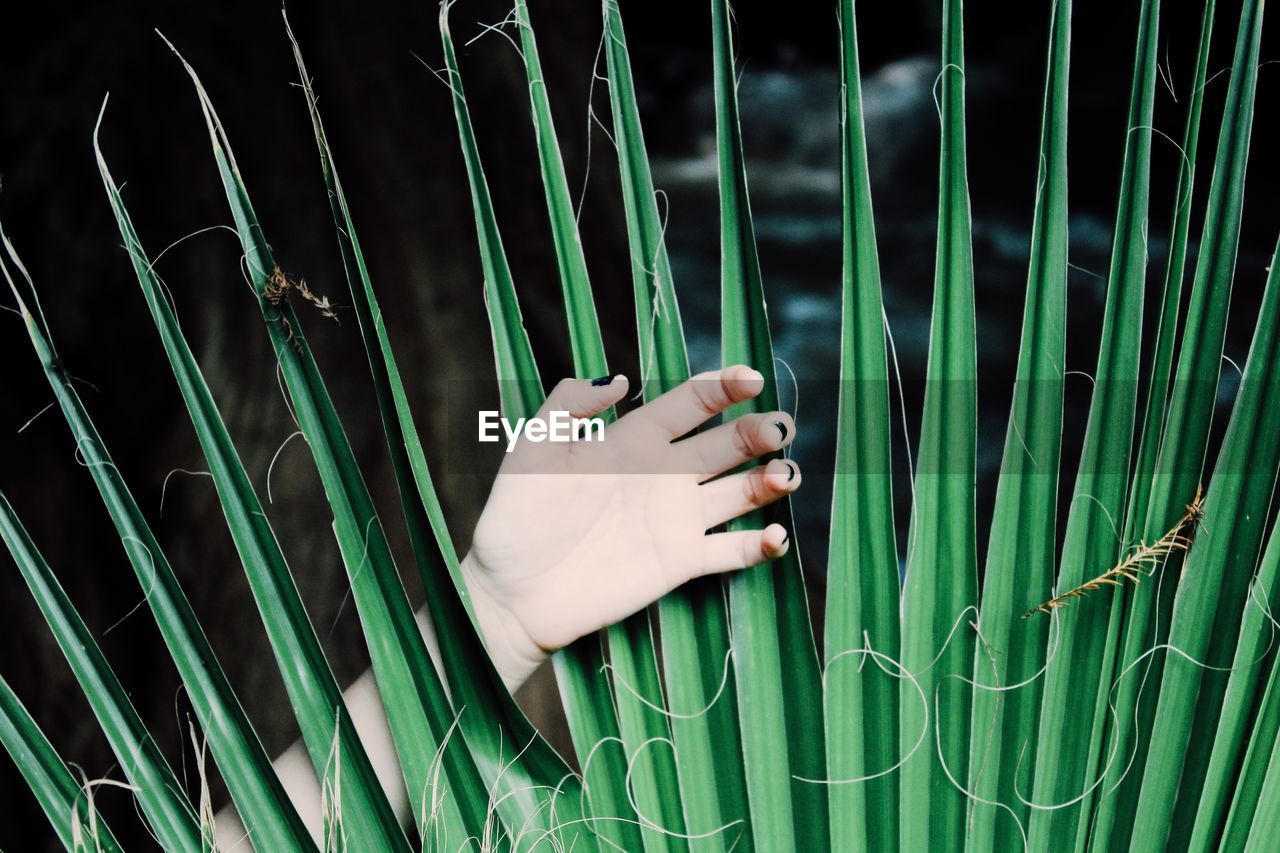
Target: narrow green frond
{"points": [[245, 767], [493, 722], [694, 619], [1241, 735], [418, 709], [1247, 772], [1195, 387], [940, 587], [1266, 821], [860, 695], [1166, 469], [580, 668], [779, 684], [1211, 596], [1077, 679], [67, 803], [664, 359], [580, 307], [313, 693], [159, 793], [1021, 551], [522, 391]]}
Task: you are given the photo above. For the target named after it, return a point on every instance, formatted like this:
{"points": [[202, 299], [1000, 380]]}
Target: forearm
{"points": [[299, 777], [364, 705]]}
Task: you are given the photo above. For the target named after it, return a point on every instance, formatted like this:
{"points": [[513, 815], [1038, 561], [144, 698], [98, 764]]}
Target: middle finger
{"points": [[729, 445]]}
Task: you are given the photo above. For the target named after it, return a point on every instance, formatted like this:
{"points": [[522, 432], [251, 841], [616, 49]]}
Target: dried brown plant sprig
{"points": [[1141, 562], [277, 288]]}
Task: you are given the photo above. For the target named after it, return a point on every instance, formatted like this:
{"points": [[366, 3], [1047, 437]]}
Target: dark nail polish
{"points": [[782, 428], [785, 536], [605, 380], [791, 471]]}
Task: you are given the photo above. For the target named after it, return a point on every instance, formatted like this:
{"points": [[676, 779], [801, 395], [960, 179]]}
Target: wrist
{"points": [[512, 651]]}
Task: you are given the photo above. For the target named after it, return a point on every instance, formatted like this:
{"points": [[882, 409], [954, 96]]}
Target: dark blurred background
{"points": [[393, 134]]}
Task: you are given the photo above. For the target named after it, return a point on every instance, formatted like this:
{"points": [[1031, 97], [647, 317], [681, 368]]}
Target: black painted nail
{"points": [[605, 380], [791, 471], [785, 536], [782, 428]]}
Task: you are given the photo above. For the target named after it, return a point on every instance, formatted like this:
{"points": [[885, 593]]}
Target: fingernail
{"points": [[605, 380], [782, 428], [791, 472], [785, 536]]}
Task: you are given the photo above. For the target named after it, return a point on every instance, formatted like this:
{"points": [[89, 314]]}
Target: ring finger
{"points": [[738, 494], [729, 445]]}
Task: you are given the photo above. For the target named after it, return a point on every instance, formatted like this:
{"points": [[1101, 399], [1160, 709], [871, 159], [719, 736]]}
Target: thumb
{"points": [[582, 398]]}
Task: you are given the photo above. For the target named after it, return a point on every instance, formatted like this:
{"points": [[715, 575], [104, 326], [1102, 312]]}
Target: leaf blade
{"points": [[1082, 653], [861, 701], [1021, 553], [60, 797], [314, 695], [418, 709], [255, 789], [940, 585], [160, 794]]}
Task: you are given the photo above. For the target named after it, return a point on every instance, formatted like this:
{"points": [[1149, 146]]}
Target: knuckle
{"points": [[705, 396], [745, 430], [560, 393], [723, 387]]}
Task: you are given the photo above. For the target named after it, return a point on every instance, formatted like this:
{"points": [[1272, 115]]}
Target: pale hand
{"points": [[579, 535]]}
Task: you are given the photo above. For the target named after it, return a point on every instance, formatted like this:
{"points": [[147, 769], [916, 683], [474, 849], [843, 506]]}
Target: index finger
{"points": [[691, 403]]}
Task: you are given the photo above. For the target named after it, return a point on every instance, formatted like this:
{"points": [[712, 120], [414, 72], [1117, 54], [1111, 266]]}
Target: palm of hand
{"points": [[572, 554], [576, 536]]}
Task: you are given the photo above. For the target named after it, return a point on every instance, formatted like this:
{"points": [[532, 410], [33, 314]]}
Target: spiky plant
{"points": [[1143, 715]]}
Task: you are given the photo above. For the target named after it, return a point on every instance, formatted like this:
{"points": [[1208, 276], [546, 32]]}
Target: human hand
{"points": [[578, 535]]}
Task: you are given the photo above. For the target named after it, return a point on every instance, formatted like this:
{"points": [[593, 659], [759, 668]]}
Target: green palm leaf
{"points": [[1142, 609], [256, 791], [314, 694], [63, 800], [779, 685], [418, 709], [1239, 756], [1020, 556], [160, 794], [580, 668], [861, 698], [1200, 360], [1077, 680], [495, 722], [1206, 613], [940, 586]]}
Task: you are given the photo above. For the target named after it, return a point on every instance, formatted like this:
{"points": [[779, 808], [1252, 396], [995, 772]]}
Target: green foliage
{"points": [[931, 715]]}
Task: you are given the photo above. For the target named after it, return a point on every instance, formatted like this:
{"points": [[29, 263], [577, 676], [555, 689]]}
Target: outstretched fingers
{"points": [[738, 494], [686, 406], [741, 549]]}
